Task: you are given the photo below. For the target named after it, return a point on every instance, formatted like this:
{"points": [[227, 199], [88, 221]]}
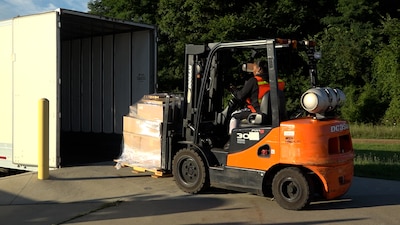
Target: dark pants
{"points": [[241, 114]]}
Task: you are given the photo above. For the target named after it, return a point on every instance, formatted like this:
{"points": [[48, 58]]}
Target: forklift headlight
{"points": [[317, 55]]}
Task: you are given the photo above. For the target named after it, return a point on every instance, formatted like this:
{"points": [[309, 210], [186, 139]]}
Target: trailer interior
{"points": [[106, 66]]}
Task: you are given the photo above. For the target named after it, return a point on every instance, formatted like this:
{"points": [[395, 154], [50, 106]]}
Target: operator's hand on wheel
{"points": [[232, 88], [233, 91]]}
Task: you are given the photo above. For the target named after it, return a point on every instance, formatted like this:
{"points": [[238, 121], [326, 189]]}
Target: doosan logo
{"points": [[340, 127]]}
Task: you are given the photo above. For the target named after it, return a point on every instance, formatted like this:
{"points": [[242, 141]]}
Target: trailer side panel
{"points": [[6, 58], [34, 77]]}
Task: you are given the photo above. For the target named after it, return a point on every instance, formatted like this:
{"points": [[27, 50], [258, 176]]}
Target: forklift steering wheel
{"points": [[233, 101]]}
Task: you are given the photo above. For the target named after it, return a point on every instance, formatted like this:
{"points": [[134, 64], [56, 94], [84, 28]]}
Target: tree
{"points": [[363, 104], [387, 70], [358, 40], [349, 44], [142, 11], [202, 21]]}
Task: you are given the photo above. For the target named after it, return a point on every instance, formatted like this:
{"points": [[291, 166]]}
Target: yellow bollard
{"points": [[43, 135]]}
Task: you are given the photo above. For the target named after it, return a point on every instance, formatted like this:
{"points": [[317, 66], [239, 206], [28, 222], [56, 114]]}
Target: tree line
{"points": [[359, 41]]}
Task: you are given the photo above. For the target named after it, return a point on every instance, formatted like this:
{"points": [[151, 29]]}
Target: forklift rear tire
{"points": [[291, 189], [189, 171]]}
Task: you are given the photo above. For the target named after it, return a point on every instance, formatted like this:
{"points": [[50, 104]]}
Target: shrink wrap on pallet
{"points": [[140, 151], [141, 126], [142, 133]]}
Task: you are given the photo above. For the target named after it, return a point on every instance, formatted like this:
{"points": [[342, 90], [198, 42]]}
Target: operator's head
{"points": [[260, 67]]}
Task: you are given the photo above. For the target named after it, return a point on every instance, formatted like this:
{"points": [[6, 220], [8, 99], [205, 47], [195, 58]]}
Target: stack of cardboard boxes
{"points": [[141, 134]]}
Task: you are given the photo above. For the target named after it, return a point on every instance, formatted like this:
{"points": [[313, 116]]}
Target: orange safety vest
{"points": [[263, 87]]}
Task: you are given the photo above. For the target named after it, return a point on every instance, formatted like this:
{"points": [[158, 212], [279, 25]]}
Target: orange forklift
{"points": [[293, 160]]}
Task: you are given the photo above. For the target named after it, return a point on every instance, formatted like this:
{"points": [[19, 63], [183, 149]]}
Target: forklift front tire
{"points": [[189, 171]]}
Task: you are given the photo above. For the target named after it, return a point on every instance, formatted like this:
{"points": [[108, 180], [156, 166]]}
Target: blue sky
{"points": [[13, 8]]}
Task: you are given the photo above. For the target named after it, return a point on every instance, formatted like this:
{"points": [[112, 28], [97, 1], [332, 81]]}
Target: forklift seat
{"points": [[265, 117]]}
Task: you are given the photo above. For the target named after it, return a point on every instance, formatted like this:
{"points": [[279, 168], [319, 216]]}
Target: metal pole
{"points": [[43, 141]]}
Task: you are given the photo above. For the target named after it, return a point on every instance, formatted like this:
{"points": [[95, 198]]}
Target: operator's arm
{"points": [[247, 89]]}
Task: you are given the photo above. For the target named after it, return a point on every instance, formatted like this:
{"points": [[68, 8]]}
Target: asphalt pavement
{"points": [[101, 194]]}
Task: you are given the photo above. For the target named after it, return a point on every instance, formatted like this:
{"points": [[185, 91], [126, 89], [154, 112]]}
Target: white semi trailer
{"points": [[90, 68]]}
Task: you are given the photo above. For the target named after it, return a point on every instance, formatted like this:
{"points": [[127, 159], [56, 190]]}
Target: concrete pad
{"points": [[100, 194]]}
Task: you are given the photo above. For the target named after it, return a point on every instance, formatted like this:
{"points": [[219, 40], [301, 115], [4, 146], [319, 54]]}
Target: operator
{"points": [[252, 93]]}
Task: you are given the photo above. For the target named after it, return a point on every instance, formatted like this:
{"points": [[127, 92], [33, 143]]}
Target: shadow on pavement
{"points": [[364, 192], [150, 206]]}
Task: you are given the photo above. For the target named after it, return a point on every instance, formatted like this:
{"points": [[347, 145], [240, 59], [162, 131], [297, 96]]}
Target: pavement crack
{"points": [[23, 188], [101, 207]]}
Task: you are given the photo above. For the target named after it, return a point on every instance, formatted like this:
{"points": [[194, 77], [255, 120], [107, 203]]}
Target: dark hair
{"points": [[263, 65]]}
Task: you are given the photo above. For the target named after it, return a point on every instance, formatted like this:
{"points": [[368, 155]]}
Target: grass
{"points": [[368, 131], [377, 160], [377, 151]]}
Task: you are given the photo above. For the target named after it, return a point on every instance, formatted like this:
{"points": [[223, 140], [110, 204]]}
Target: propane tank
{"points": [[322, 99]]}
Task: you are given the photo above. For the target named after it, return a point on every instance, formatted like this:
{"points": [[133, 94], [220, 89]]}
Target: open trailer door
{"points": [[35, 48]]}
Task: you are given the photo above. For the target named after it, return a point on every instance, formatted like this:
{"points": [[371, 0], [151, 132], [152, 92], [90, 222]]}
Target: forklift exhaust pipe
{"points": [[43, 139]]}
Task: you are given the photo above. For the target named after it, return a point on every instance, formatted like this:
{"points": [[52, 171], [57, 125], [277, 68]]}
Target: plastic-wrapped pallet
{"points": [[142, 134]]}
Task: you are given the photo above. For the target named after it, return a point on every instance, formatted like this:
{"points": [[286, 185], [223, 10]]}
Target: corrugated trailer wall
{"points": [[100, 77]]}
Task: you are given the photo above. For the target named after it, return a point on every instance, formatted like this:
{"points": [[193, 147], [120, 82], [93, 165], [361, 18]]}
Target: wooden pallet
{"points": [[156, 173]]}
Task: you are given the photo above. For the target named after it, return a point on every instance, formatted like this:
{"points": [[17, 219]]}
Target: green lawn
{"points": [[380, 159], [374, 131]]}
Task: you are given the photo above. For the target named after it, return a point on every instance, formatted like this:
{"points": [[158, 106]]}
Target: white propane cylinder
{"points": [[341, 97], [332, 97], [320, 100]]}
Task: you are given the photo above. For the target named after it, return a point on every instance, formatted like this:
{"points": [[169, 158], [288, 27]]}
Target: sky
{"points": [[13, 8]]}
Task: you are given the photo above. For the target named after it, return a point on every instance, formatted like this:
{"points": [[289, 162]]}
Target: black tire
{"points": [[189, 171], [291, 189]]}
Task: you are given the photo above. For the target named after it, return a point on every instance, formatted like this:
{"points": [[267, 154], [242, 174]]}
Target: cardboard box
{"points": [[141, 126], [150, 110], [133, 111], [131, 140], [143, 143], [141, 150]]}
